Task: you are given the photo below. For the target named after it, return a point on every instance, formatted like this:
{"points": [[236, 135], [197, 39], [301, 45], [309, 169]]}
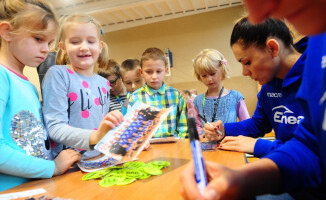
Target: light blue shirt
{"points": [[23, 136], [226, 110]]}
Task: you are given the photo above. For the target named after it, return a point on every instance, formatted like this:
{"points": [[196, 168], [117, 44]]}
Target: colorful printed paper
{"points": [[126, 141]]}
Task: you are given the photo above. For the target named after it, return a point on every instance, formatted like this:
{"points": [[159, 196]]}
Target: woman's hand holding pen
{"points": [[211, 131]]}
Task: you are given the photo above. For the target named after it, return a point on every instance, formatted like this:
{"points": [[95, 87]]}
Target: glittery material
{"points": [[209, 146], [27, 132]]}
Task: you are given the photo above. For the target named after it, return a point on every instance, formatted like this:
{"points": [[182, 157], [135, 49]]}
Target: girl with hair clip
{"points": [[27, 28], [76, 100], [218, 103]]}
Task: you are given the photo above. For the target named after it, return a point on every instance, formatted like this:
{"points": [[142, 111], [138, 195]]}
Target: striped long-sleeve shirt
{"points": [[116, 102], [176, 122]]}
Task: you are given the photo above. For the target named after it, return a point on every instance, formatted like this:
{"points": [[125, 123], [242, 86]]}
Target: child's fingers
{"points": [[73, 155], [65, 159], [147, 147], [117, 114], [73, 158], [110, 124], [69, 151], [116, 118], [76, 157]]}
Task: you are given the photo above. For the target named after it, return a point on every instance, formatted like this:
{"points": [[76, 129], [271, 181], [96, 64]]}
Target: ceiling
{"points": [[122, 14]]}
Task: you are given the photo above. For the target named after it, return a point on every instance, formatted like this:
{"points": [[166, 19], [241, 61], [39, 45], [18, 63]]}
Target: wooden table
{"points": [[164, 186]]}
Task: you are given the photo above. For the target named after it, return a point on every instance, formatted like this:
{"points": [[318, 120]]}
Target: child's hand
{"points": [[147, 147], [64, 161], [111, 120]]}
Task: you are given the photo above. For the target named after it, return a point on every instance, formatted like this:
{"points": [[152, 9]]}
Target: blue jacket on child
{"points": [[277, 108]]}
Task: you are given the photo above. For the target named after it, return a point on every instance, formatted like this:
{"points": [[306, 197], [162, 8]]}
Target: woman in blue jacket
{"points": [[267, 55], [301, 162]]}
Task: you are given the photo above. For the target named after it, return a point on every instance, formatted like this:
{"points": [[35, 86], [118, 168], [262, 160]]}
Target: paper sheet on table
{"points": [[126, 141]]}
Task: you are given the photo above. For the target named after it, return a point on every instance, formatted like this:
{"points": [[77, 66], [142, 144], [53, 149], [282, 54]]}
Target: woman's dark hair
{"points": [[257, 34]]}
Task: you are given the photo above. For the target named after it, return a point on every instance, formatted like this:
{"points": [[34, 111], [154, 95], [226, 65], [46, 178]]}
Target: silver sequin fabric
{"points": [[27, 132]]}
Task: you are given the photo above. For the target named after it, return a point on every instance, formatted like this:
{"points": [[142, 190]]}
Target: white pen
{"points": [[218, 131]]}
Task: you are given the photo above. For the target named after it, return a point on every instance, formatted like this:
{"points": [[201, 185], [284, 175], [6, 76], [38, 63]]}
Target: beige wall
{"points": [[31, 74], [186, 37]]}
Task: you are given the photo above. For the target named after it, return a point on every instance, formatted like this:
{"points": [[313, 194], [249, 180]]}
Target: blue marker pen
{"points": [[197, 155]]}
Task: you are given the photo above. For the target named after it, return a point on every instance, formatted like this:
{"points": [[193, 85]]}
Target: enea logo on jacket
{"points": [[282, 114]]}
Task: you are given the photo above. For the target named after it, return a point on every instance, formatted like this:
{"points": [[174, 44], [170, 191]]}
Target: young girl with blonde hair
{"points": [[218, 103], [76, 100], [27, 28]]}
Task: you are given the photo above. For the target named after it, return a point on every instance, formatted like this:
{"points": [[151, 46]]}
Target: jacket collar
{"points": [[296, 72]]}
